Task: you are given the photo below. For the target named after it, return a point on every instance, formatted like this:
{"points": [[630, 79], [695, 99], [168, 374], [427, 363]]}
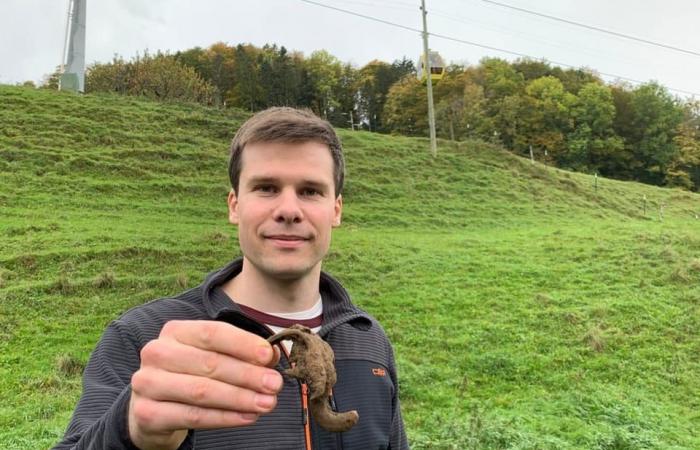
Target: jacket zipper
{"points": [[305, 412], [338, 438], [304, 401]]}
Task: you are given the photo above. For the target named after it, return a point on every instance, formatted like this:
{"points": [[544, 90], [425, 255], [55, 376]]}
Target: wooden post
{"points": [[596, 181], [532, 157]]}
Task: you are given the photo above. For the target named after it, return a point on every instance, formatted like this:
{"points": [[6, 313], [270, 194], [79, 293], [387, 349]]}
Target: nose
{"points": [[288, 210]]}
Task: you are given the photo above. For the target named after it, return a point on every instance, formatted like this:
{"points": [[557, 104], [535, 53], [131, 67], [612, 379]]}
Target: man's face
{"points": [[285, 207]]}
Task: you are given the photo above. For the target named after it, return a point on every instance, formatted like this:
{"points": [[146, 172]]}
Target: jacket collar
{"points": [[337, 306]]}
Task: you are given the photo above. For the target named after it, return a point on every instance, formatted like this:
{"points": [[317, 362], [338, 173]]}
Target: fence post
{"points": [[595, 178]]}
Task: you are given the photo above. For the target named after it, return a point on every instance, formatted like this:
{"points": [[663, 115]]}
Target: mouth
{"points": [[286, 237], [287, 240]]}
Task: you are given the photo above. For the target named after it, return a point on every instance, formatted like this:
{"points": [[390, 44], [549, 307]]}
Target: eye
{"points": [[310, 192], [265, 188]]}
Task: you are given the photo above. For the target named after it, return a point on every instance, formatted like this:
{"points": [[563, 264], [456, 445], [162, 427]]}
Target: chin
{"points": [[289, 274], [287, 271]]}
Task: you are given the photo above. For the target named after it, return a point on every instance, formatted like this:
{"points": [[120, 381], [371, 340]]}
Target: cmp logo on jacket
{"points": [[378, 372]]}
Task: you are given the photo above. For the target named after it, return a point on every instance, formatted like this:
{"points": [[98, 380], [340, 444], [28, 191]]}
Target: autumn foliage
{"points": [[158, 76], [569, 118]]}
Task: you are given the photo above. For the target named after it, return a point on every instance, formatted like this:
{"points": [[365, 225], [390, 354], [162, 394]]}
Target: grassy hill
{"points": [[528, 309]]}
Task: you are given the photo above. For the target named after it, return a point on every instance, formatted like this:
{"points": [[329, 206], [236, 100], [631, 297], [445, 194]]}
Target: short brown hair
{"points": [[289, 125]]}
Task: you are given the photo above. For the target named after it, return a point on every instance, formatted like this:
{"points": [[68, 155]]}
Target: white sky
{"points": [[32, 32]]}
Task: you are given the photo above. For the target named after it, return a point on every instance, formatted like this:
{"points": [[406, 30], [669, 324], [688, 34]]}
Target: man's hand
{"points": [[199, 375]]}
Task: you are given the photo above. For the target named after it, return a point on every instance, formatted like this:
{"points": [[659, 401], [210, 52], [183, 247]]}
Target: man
{"points": [[195, 371]]}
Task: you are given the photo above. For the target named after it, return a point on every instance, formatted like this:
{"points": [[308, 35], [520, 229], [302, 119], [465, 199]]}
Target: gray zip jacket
{"points": [[365, 367]]}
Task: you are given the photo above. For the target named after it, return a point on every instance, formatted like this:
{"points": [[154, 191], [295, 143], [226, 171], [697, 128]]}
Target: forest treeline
{"points": [[570, 117]]}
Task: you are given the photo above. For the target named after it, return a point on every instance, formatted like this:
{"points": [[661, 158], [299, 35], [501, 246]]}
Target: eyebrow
{"points": [[258, 180]]}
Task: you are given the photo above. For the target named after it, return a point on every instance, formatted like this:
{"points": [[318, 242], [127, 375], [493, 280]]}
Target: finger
{"points": [[161, 417], [276, 358], [172, 356], [199, 391], [220, 337]]}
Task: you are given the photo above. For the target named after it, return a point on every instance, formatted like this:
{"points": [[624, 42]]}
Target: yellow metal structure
{"points": [[437, 67]]}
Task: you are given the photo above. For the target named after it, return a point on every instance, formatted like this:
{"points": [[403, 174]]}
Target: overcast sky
{"points": [[32, 32]]}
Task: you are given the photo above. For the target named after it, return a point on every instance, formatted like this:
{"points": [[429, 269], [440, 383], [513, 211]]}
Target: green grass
{"points": [[527, 309]]}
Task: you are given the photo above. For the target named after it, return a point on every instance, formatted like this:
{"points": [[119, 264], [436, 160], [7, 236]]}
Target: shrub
{"points": [[159, 76]]}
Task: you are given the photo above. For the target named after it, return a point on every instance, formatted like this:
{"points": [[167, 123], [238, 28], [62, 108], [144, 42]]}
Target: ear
{"points": [[338, 211], [232, 207]]}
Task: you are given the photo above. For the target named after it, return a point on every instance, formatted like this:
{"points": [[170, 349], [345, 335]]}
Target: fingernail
{"points": [[249, 416], [264, 401], [272, 381], [265, 354]]}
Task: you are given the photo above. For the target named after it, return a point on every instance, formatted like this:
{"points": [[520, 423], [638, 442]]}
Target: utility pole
{"points": [[65, 38], [426, 57], [73, 65]]}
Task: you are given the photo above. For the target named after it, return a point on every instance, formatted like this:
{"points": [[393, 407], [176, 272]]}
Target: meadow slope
{"points": [[528, 309]]}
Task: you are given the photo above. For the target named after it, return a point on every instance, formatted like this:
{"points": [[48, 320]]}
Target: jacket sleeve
{"points": [[99, 421], [397, 439]]}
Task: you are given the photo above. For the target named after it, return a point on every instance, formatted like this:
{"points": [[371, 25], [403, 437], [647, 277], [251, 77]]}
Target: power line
{"points": [[386, 22], [523, 55], [591, 27], [390, 5], [406, 4], [476, 44], [518, 34]]}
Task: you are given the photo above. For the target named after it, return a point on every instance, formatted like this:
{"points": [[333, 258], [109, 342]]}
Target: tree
{"points": [[346, 113], [532, 69], [50, 81], [502, 89], [684, 169], [592, 145], [158, 76], [323, 77], [374, 81], [219, 64], [246, 92], [475, 122], [195, 58], [449, 103], [574, 79], [499, 80], [543, 118], [655, 120], [280, 78], [406, 108]]}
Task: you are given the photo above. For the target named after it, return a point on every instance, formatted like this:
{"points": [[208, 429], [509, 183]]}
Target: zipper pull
{"points": [[305, 403], [334, 407]]}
